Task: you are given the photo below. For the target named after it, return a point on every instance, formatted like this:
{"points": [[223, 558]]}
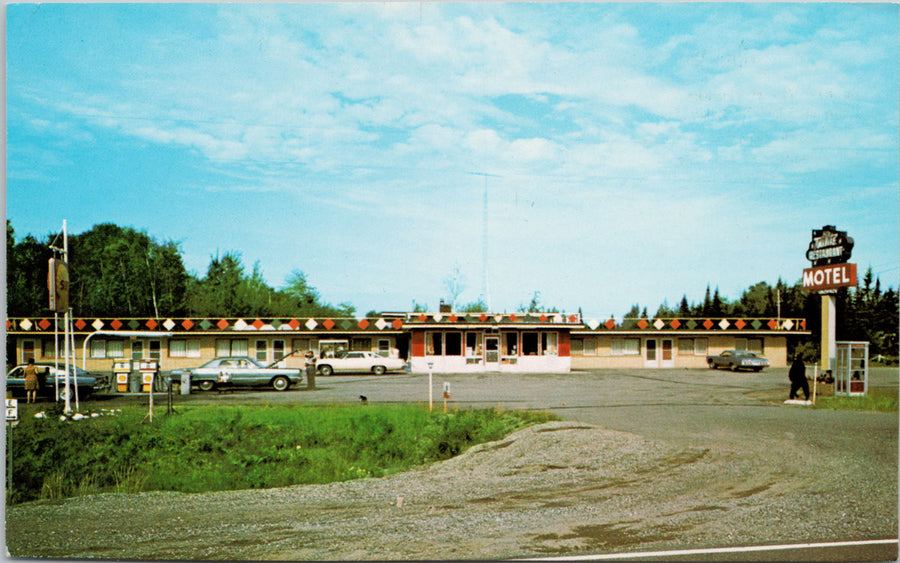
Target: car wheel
{"points": [[280, 383], [732, 367], [63, 392], [712, 365], [327, 370], [206, 385], [378, 370]]}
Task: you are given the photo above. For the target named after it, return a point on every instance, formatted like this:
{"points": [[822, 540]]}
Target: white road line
{"points": [[677, 552]]}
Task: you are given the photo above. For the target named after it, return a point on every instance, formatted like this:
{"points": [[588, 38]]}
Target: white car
{"points": [[364, 362]]}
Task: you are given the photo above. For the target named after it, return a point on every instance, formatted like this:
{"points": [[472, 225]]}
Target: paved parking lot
{"points": [[681, 459]]}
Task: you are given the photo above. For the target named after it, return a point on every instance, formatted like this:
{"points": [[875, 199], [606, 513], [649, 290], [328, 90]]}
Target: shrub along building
{"points": [[444, 342]]}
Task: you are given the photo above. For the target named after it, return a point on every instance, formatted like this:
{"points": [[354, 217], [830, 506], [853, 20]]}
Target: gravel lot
{"points": [[642, 460]]}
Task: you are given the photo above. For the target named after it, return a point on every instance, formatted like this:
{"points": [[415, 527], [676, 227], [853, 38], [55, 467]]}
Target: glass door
{"points": [[667, 355], [650, 354], [492, 352]]}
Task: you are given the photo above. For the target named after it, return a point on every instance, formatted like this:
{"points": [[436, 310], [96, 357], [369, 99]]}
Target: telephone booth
{"points": [[148, 369], [851, 369], [122, 369]]}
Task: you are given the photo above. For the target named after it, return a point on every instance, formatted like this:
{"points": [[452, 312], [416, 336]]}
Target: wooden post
{"points": [[815, 382]]}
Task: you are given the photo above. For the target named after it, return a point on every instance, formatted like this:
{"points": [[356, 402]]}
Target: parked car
{"points": [[736, 360], [239, 371], [87, 382], [360, 362]]}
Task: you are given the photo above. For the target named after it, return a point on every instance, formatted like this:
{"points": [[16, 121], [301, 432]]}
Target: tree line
{"points": [[867, 313], [119, 271]]}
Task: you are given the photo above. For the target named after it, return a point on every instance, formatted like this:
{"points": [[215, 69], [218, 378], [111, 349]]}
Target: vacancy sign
{"points": [[833, 276]]}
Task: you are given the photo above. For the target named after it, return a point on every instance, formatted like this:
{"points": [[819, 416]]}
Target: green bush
{"points": [[212, 448]]}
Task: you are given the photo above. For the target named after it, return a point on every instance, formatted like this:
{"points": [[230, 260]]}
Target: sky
{"points": [[631, 153]]}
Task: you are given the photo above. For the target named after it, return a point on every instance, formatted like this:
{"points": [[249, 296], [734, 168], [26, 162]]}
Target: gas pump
{"points": [[148, 369], [122, 369]]}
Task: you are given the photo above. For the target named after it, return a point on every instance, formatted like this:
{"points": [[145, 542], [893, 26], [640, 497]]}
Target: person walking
{"points": [[31, 382], [310, 370], [797, 375]]}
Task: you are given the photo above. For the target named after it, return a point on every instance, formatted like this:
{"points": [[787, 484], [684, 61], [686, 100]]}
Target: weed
{"points": [[880, 400]]}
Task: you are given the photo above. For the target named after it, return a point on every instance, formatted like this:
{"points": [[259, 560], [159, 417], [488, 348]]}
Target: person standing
{"points": [[31, 382], [797, 375], [310, 370]]}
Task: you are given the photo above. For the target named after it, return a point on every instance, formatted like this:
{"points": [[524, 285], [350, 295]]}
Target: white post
{"points": [[56, 354], [815, 381], [430, 400], [74, 363], [66, 381], [68, 319]]}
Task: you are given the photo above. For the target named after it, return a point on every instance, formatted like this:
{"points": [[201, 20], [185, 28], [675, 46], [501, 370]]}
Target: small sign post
{"points": [[430, 393], [12, 419], [446, 394]]}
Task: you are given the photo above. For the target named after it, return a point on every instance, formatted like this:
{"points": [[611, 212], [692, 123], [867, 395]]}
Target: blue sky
{"points": [[636, 152]]}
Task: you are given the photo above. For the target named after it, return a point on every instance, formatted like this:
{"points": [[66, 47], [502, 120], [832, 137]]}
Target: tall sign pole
{"points": [[58, 285], [829, 252]]}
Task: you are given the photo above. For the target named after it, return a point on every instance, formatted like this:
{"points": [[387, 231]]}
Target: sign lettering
{"points": [[12, 410], [829, 246], [829, 277]]}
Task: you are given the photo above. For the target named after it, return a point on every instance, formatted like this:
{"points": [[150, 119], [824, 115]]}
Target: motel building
{"points": [[443, 342]]}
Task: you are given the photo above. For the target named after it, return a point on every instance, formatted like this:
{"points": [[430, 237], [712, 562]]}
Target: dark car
{"points": [[239, 371], [87, 382], [736, 360]]}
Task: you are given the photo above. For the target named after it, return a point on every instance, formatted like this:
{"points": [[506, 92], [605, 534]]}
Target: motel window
{"points": [[137, 350], [530, 344], [550, 343], [184, 348], [590, 346], [155, 347], [231, 347], [361, 344], [301, 344], [107, 349], [27, 350], [510, 343], [453, 344], [473, 343], [576, 346], [384, 347], [333, 348], [749, 344], [48, 349], [434, 344], [700, 346], [278, 351], [115, 349], [98, 348], [262, 354], [692, 346], [626, 347]]}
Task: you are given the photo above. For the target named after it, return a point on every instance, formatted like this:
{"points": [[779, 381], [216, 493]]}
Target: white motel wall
{"points": [[440, 342]]}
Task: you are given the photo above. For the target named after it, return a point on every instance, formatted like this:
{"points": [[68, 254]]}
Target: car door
{"points": [[246, 373], [355, 361]]}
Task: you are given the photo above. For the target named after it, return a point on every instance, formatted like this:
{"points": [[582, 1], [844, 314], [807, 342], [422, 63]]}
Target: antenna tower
{"points": [[485, 291]]}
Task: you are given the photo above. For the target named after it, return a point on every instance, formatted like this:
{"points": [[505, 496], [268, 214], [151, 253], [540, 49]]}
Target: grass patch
{"points": [[213, 448], [880, 400]]}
